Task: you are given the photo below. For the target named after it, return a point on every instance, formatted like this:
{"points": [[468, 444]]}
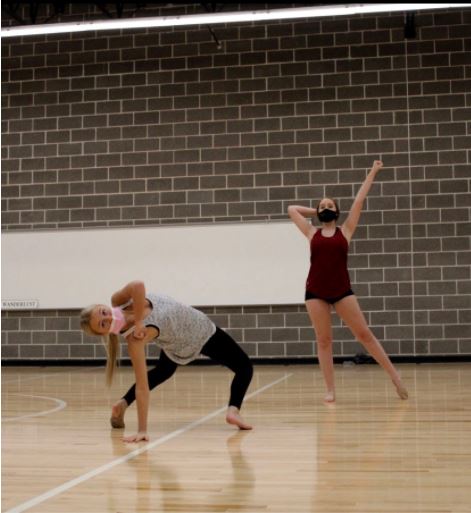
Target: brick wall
{"points": [[158, 127], [281, 331]]}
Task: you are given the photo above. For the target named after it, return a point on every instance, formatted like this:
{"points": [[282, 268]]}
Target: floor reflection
{"points": [[157, 485]]}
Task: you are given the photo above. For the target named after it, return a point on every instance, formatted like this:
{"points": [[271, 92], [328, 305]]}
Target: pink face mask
{"points": [[118, 321]]}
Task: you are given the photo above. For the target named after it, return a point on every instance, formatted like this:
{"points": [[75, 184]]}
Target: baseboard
{"points": [[357, 359]]}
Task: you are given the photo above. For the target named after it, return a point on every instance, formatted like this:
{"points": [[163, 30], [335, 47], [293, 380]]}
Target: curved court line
{"points": [[17, 379], [85, 477], [53, 374], [60, 406]]}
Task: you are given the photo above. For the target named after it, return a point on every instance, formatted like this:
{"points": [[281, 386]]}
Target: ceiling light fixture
{"points": [[220, 17]]}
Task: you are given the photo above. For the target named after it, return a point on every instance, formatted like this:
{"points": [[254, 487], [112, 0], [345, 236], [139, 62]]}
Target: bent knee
{"points": [[248, 370], [245, 369]]}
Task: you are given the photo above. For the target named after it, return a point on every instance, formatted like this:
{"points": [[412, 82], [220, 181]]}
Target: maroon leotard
{"points": [[328, 276]]}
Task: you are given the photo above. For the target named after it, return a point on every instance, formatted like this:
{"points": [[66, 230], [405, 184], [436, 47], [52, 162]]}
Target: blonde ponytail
{"points": [[110, 341]]}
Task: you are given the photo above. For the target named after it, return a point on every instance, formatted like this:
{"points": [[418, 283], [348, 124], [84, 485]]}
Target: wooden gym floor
{"points": [[368, 453]]}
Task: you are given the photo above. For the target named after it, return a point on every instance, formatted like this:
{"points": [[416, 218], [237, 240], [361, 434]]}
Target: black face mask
{"points": [[327, 215]]}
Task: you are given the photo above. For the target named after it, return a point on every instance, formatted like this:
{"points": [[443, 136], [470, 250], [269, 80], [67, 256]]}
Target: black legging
{"points": [[222, 348]]}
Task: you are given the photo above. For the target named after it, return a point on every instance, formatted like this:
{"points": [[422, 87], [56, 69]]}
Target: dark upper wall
{"points": [[162, 127]]}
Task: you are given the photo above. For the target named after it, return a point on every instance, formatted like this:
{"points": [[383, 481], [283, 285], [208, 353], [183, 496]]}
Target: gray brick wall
{"points": [[274, 331], [161, 127]]}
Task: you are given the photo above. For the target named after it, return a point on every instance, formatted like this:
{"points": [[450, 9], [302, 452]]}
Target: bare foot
{"points": [[329, 396], [233, 417], [401, 390], [117, 414]]}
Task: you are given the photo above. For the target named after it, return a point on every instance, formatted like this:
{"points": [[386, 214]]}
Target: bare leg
{"points": [[349, 311], [233, 417], [117, 414], [319, 313]]}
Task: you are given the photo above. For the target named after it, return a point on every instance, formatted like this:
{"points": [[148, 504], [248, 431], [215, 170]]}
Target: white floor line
{"points": [[60, 406], [100, 470]]}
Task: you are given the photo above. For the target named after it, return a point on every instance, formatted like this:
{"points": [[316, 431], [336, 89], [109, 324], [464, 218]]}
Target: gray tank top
{"points": [[183, 330]]}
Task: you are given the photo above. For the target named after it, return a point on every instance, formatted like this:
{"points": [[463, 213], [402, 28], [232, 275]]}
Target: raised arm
{"points": [[298, 215], [350, 224], [136, 291]]}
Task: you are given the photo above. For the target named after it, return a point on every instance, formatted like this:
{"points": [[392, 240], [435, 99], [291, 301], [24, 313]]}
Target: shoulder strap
{"points": [[125, 305], [131, 329], [128, 331]]}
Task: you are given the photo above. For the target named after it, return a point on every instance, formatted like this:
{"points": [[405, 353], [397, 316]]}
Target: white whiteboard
{"points": [[207, 265]]}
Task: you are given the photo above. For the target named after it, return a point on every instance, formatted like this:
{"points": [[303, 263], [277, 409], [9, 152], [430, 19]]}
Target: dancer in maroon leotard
{"points": [[328, 282]]}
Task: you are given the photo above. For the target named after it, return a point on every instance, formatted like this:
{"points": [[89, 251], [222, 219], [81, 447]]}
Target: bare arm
{"points": [[136, 291], [298, 215], [136, 350], [350, 224]]}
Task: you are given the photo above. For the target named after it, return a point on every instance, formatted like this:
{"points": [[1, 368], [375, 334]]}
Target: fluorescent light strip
{"points": [[215, 18]]}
